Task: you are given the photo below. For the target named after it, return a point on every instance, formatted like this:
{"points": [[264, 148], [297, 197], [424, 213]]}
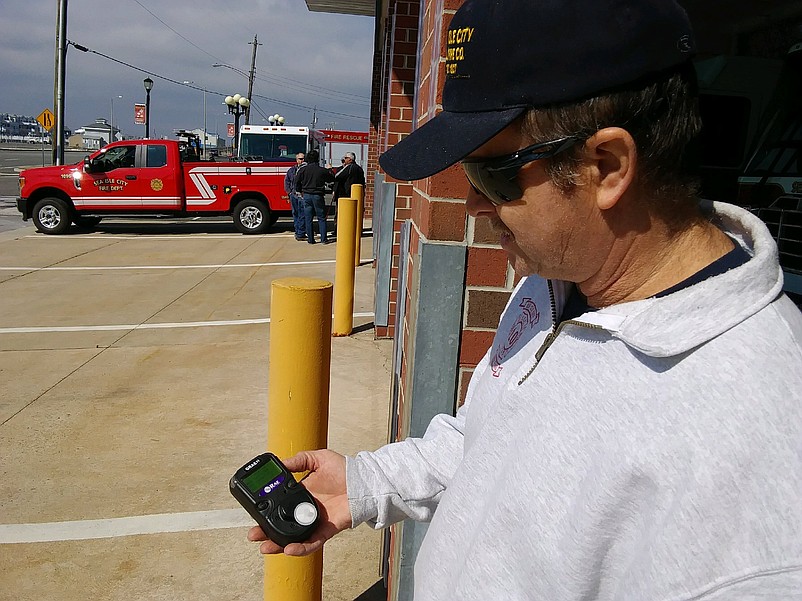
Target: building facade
{"points": [[22, 128]]}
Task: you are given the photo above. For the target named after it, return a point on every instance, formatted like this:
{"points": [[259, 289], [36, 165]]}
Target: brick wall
{"points": [[394, 111], [436, 205]]}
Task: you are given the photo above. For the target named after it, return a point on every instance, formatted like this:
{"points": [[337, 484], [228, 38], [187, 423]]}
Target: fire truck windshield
{"points": [[272, 147]]}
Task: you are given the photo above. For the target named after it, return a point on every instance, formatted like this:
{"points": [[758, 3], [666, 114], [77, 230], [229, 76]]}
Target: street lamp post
{"points": [[111, 132], [236, 106], [247, 76], [148, 87]]}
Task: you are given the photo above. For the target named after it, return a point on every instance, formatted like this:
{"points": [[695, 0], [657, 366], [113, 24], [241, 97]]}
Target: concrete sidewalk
{"points": [[117, 441]]}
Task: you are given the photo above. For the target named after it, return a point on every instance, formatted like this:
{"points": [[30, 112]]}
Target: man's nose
{"points": [[477, 204]]}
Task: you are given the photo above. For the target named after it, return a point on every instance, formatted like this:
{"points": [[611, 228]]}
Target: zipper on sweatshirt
{"points": [[555, 331]]}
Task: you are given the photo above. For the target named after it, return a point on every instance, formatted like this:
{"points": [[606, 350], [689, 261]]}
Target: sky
{"points": [[305, 60]]}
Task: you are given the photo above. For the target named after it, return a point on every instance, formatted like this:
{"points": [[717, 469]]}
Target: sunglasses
{"points": [[495, 178]]}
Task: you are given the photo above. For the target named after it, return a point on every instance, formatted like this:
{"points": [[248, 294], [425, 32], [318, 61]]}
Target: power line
{"points": [[195, 87], [286, 82], [174, 31]]}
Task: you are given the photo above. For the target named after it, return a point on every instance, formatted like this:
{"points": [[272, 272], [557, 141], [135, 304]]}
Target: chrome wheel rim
{"points": [[251, 217], [49, 217]]}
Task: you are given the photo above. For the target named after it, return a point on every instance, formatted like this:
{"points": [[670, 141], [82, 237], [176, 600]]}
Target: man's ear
{"points": [[612, 156]]}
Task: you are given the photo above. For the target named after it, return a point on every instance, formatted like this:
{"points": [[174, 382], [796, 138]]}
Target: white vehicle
{"points": [[278, 142]]}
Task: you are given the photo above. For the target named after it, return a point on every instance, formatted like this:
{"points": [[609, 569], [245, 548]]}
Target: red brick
{"points": [[447, 221], [473, 346], [405, 75], [404, 47], [452, 4], [464, 380], [485, 307], [406, 22], [450, 183], [404, 127], [401, 101], [444, 33], [483, 231], [486, 267], [441, 77]]}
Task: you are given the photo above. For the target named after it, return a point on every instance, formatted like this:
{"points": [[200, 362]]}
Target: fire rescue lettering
{"points": [[110, 184], [457, 40]]}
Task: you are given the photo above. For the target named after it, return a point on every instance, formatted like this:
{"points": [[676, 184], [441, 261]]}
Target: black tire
{"points": [[252, 216], [86, 222], [52, 216]]}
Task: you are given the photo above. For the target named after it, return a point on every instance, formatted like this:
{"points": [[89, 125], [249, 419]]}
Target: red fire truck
{"points": [[154, 177]]}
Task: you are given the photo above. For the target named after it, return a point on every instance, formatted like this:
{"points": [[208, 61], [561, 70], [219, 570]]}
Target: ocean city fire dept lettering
{"points": [[110, 184], [457, 38]]}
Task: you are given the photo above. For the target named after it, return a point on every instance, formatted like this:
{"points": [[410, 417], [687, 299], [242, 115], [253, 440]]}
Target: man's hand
{"points": [[326, 482]]}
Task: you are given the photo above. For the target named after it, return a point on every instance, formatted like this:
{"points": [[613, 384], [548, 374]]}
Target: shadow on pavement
{"points": [[363, 328], [153, 226], [377, 592]]}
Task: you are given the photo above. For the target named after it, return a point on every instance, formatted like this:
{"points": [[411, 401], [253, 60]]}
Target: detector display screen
{"points": [[263, 480]]}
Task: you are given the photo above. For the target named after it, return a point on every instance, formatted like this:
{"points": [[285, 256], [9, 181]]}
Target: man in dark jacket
{"points": [[311, 181], [298, 218], [348, 175]]}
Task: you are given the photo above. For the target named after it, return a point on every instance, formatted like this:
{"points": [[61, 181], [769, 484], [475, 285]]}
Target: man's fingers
{"points": [[299, 463], [270, 548], [301, 549], [319, 537], [256, 534]]}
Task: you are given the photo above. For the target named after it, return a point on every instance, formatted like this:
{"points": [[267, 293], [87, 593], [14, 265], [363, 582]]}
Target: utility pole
{"points": [[58, 92], [250, 79]]}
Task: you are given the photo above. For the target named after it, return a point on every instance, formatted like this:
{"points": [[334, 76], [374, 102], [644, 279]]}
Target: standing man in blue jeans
{"points": [[311, 182], [298, 218]]}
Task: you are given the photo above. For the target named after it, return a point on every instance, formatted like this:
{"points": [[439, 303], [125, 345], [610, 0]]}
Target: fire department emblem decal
{"points": [[156, 184]]}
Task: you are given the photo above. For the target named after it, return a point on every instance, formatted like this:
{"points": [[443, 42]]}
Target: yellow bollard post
{"points": [[344, 269], [358, 192], [298, 408]]}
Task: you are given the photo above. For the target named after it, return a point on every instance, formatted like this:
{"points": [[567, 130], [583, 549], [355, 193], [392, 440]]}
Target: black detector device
{"points": [[281, 506]]}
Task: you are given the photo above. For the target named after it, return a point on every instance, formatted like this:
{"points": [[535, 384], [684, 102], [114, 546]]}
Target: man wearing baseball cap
{"points": [[635, 430]]}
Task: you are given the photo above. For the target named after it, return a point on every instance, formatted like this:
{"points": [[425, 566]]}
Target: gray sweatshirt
{"points": [[651, 450]]}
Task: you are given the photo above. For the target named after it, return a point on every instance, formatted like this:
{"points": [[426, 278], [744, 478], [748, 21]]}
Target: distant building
{"points": [[213, 142], [95, 135], [22, 128]]}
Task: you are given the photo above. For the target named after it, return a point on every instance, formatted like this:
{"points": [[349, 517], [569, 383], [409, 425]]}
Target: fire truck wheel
{"points": [[52, 216], [252, 216]]}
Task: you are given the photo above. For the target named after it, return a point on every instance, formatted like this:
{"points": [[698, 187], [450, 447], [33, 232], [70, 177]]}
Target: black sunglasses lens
{"points": [[497, 186]]}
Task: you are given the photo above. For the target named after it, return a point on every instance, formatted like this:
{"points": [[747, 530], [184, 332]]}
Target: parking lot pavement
{"points": [[134, 369], [10, 218]]}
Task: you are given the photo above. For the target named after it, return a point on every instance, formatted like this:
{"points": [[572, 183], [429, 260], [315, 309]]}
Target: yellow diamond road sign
{"points": [[46, 119]]}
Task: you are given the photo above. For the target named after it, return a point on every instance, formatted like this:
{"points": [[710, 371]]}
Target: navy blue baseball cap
{"points": [[506, 56]]}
